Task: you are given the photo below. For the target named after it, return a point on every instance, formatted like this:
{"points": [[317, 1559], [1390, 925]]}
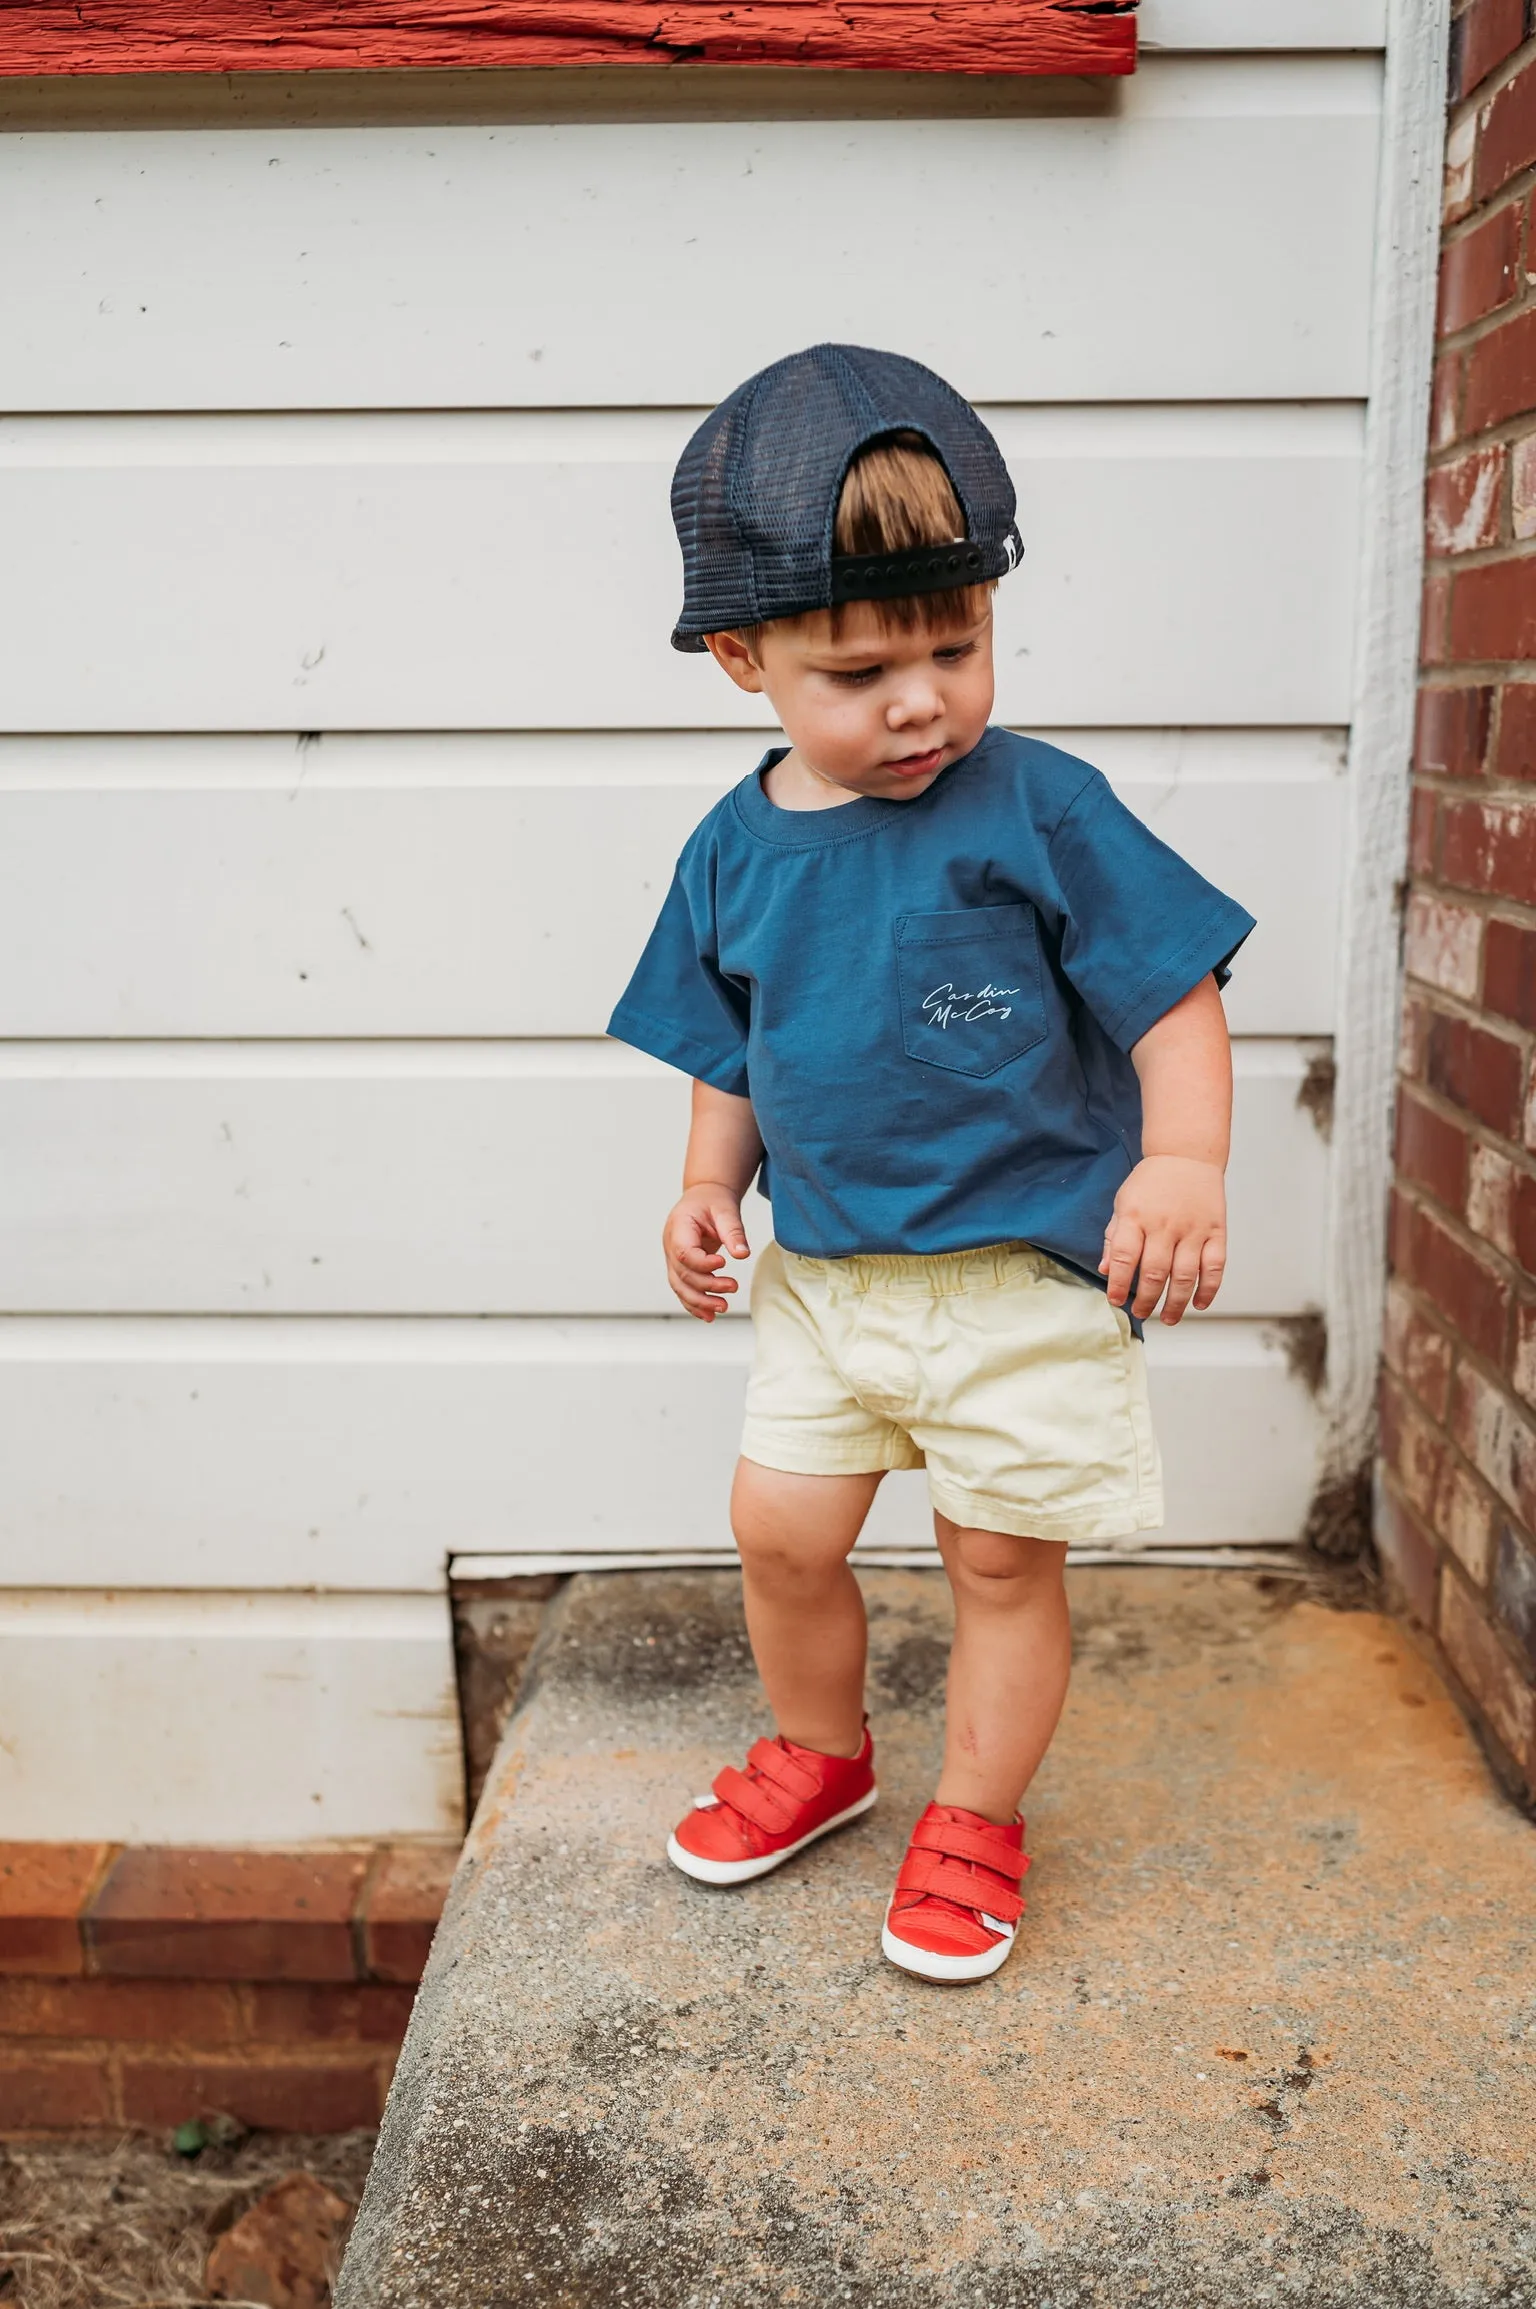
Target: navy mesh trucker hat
{"points": [[755, 493]]}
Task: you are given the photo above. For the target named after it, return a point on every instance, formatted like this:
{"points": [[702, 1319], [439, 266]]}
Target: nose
{"points": [[915, 703]]}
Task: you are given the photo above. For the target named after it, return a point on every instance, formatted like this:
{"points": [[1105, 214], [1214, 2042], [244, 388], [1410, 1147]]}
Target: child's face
{"points": [[875, 711]]}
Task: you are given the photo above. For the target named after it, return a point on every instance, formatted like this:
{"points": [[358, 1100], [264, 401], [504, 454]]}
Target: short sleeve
{"points": [[1139, 927], [679, 1005]]}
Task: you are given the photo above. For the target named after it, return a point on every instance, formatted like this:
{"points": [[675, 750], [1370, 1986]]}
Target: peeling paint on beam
{"points": [[169, 36]]}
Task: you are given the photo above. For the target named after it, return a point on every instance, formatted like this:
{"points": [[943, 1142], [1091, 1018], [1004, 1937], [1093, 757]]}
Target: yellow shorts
{"points": [[1015, 1382]]}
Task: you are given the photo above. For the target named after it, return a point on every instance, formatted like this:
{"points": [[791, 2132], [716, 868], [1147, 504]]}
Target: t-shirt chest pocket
{"points": [[969, 987]]}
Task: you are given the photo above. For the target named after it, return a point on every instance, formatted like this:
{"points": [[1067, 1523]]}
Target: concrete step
{"points": [[1266, 2035]]}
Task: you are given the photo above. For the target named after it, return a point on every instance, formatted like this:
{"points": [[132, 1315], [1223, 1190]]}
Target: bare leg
{"points": [[1008, 1668], [805, 1614]]}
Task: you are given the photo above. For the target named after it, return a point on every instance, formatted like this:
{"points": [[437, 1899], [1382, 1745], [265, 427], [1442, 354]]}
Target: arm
{"points": [[724, 1150], [1171, 1214]]}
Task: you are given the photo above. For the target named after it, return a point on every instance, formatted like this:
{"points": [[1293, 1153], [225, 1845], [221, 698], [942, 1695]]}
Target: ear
{"points": [[731, 653]]}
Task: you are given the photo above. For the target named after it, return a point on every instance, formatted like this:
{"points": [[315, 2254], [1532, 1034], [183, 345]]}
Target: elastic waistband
{"points": [[931, 1275]]}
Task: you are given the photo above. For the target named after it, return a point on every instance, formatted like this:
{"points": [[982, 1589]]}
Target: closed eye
{"points": [[858, 679]]}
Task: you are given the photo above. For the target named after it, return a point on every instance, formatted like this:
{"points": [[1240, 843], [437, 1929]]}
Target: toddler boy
{"points": [[959, 1013]]}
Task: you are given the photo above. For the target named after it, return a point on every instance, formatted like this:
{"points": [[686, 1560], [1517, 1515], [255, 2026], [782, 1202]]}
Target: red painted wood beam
{"points": [[111, 36]]}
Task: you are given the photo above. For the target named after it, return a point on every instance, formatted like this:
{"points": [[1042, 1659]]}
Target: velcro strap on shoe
{"points": [[928, 1873], [784, 1770], [958, 1842], [767, 1807]]}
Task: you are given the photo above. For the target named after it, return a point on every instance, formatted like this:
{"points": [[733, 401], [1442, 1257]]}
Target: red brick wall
{"points": [[1458, 1502], [142, 1987]]}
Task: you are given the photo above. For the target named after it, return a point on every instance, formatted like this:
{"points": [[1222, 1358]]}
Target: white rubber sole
{"points": [[928, 1966], [743, 1871]]}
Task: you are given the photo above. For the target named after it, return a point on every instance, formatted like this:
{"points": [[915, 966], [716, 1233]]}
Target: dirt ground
{"points": [[126, 2223]]}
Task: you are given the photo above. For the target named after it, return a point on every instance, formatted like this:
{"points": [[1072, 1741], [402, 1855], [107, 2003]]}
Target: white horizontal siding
{"points": [[442, 1178], [227, 1719], [192, 1453], [448, 572], [585, 264], [261, 887], [367, 431], [1230, 25]]}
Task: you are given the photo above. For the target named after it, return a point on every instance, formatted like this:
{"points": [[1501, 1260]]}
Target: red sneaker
{"points": [[956, 1906], [757, 1819]]}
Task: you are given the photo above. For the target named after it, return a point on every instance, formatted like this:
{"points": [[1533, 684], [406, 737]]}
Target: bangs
{"points": [[951, 611], [896, 496]]}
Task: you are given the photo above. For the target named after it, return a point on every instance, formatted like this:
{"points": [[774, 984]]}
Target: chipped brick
{"points": [[1463, 502], [1409, 1556], [1517, 730], [42, 1890], [312, 2012], [1417, 1351], [1481, 38], [1423, 830], [1410, 1447], [1442, 944], [1486, 1669], [121, 2011], [1473, 1297], [404, 1903], [1460, 161], [1480, 271], [1435, 621], [1522, 489], [1514, 1592], [1506, 134], [271, 2095], [1413, 1038], [1432, 1152], [1464, 1518], [1492, 614], [1522, 1362], [1475, 1070], [1492, 1434], [1445, 401], [1509, 981], [53, 2092], [1490, 1187], [217, 1915], [1450, 738]]}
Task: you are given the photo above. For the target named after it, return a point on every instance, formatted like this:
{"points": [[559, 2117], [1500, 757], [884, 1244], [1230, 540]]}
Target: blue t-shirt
{"points": [[930, 1002]]}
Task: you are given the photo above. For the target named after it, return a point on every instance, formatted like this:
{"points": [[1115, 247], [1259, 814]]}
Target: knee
{"points": [[993, 1566], [783, 1560]]}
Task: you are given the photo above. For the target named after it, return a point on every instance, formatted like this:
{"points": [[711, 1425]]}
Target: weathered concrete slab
{"points": [[1267, 2036]]}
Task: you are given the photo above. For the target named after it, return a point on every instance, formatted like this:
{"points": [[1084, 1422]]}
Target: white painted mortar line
{"points": [[1381, 740]]}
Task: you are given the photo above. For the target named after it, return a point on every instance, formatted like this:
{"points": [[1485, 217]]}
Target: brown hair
{"points": [[897, 495]]}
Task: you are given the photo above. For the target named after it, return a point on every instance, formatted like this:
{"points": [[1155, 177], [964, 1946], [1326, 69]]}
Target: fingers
{"points": [[704, 1310], [1213, 1265], [1156, 1265], [702, 1265], [1181, 1282], [714, 1226], [1122, 1250], [1168, 1235], [697, 1236], [1194, 1277], [726, 1220], [695, 1278], [703, 1295]]}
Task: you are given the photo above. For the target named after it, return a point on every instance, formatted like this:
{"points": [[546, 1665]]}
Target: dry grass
{"points": [[127, 2223]]}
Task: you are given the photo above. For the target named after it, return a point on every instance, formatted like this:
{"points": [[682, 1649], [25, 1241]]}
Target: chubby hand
{"points": [[701, 1227], [1171, 1221]]}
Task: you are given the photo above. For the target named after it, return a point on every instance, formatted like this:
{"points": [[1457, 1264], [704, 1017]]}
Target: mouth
{"points": [[917, 765]]}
